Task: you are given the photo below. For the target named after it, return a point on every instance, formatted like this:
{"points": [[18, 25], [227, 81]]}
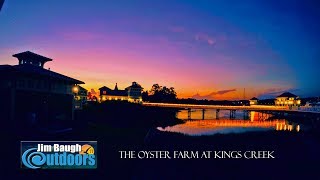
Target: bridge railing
{"points": [[214, 106], [309, 109]]}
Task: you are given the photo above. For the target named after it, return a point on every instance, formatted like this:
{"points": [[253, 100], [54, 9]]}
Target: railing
{"points": [[216, 106], [308, 109], [250, 108]]}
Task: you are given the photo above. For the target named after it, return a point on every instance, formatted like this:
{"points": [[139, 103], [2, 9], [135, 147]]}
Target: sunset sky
{"points": [[205, 49]]}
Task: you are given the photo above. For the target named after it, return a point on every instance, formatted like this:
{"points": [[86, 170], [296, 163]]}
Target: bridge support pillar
{"points": [[232, 114], [246, 114], [217, 113], [203, 110], [189, 113]]}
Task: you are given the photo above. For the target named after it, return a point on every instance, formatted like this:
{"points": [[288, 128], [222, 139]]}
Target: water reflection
{"points": [[256, 121], [197, 114]]}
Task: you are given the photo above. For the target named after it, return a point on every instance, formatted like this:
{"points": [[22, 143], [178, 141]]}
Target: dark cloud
{"points": [[273, 92], [212, 94]]}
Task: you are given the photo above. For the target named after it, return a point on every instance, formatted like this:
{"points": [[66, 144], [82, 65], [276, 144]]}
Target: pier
{"points": [[246, 109]]}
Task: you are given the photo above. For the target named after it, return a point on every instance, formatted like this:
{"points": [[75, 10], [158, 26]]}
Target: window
{"points": [[30, 84], [104, 92], [21, 83], [39, 84]]}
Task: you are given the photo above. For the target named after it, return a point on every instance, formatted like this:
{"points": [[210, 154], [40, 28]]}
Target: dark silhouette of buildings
{"points": [[132, 93], [80, 96], [34, 95]]}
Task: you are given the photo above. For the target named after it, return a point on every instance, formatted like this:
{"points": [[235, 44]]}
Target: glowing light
{"points": [[75, 89], [109, 98], [280, 127], [104, 98], [298, 128], [116, 98]]}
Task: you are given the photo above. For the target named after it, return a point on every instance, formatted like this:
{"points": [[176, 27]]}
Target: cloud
{"points": [[273, 92], [213, 94], [202, 37]]}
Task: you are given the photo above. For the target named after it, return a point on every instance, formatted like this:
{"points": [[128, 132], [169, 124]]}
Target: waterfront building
{"points": [[287, 99], [254, 101], [33, 93], [132, 93], [80, 96]]}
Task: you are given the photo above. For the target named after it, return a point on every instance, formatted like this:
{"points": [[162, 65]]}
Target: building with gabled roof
{"points": [[132, 93], [254, 101], [287, 99], [35, 94]]}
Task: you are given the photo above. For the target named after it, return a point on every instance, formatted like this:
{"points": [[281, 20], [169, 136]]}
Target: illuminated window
{"points": [[104, 92]]}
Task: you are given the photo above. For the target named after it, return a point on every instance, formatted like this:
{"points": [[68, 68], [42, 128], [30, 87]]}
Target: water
{"points": [[222, 124]]}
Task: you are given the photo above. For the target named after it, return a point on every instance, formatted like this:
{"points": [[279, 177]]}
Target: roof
{"points": [[82, 88], [134, 85], [30, 69], [254, 98], [287, 94], [114, 92], [31, 55], [118, 93], [105, 88]]}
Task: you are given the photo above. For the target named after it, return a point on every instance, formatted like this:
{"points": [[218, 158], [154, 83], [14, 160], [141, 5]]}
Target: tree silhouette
{"points": [[160, 94]]}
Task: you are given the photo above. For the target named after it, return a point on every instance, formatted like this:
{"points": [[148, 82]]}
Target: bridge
{"points": [[233, 109]]}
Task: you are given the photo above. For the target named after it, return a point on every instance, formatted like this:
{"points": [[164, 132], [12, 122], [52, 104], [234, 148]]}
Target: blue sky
{"points": [[199, 47]]}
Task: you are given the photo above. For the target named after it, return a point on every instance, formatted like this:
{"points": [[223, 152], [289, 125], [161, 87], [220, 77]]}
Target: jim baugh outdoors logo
{"points": [[59, 154]]}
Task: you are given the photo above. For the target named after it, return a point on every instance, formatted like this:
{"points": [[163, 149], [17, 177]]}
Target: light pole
{"points": [[75, 90]]}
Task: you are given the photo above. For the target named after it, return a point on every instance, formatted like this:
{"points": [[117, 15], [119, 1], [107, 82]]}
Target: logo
{"points": [[59, 154]]}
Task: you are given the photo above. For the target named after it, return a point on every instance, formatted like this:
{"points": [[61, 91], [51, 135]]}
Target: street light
{"points": [[75, 90]]}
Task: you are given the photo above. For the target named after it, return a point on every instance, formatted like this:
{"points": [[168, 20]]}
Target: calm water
{"points": [[253, 121]]}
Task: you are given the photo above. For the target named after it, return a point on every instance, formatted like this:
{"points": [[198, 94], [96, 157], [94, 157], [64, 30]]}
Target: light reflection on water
{"points": [[223, 114], [241, 124]]}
